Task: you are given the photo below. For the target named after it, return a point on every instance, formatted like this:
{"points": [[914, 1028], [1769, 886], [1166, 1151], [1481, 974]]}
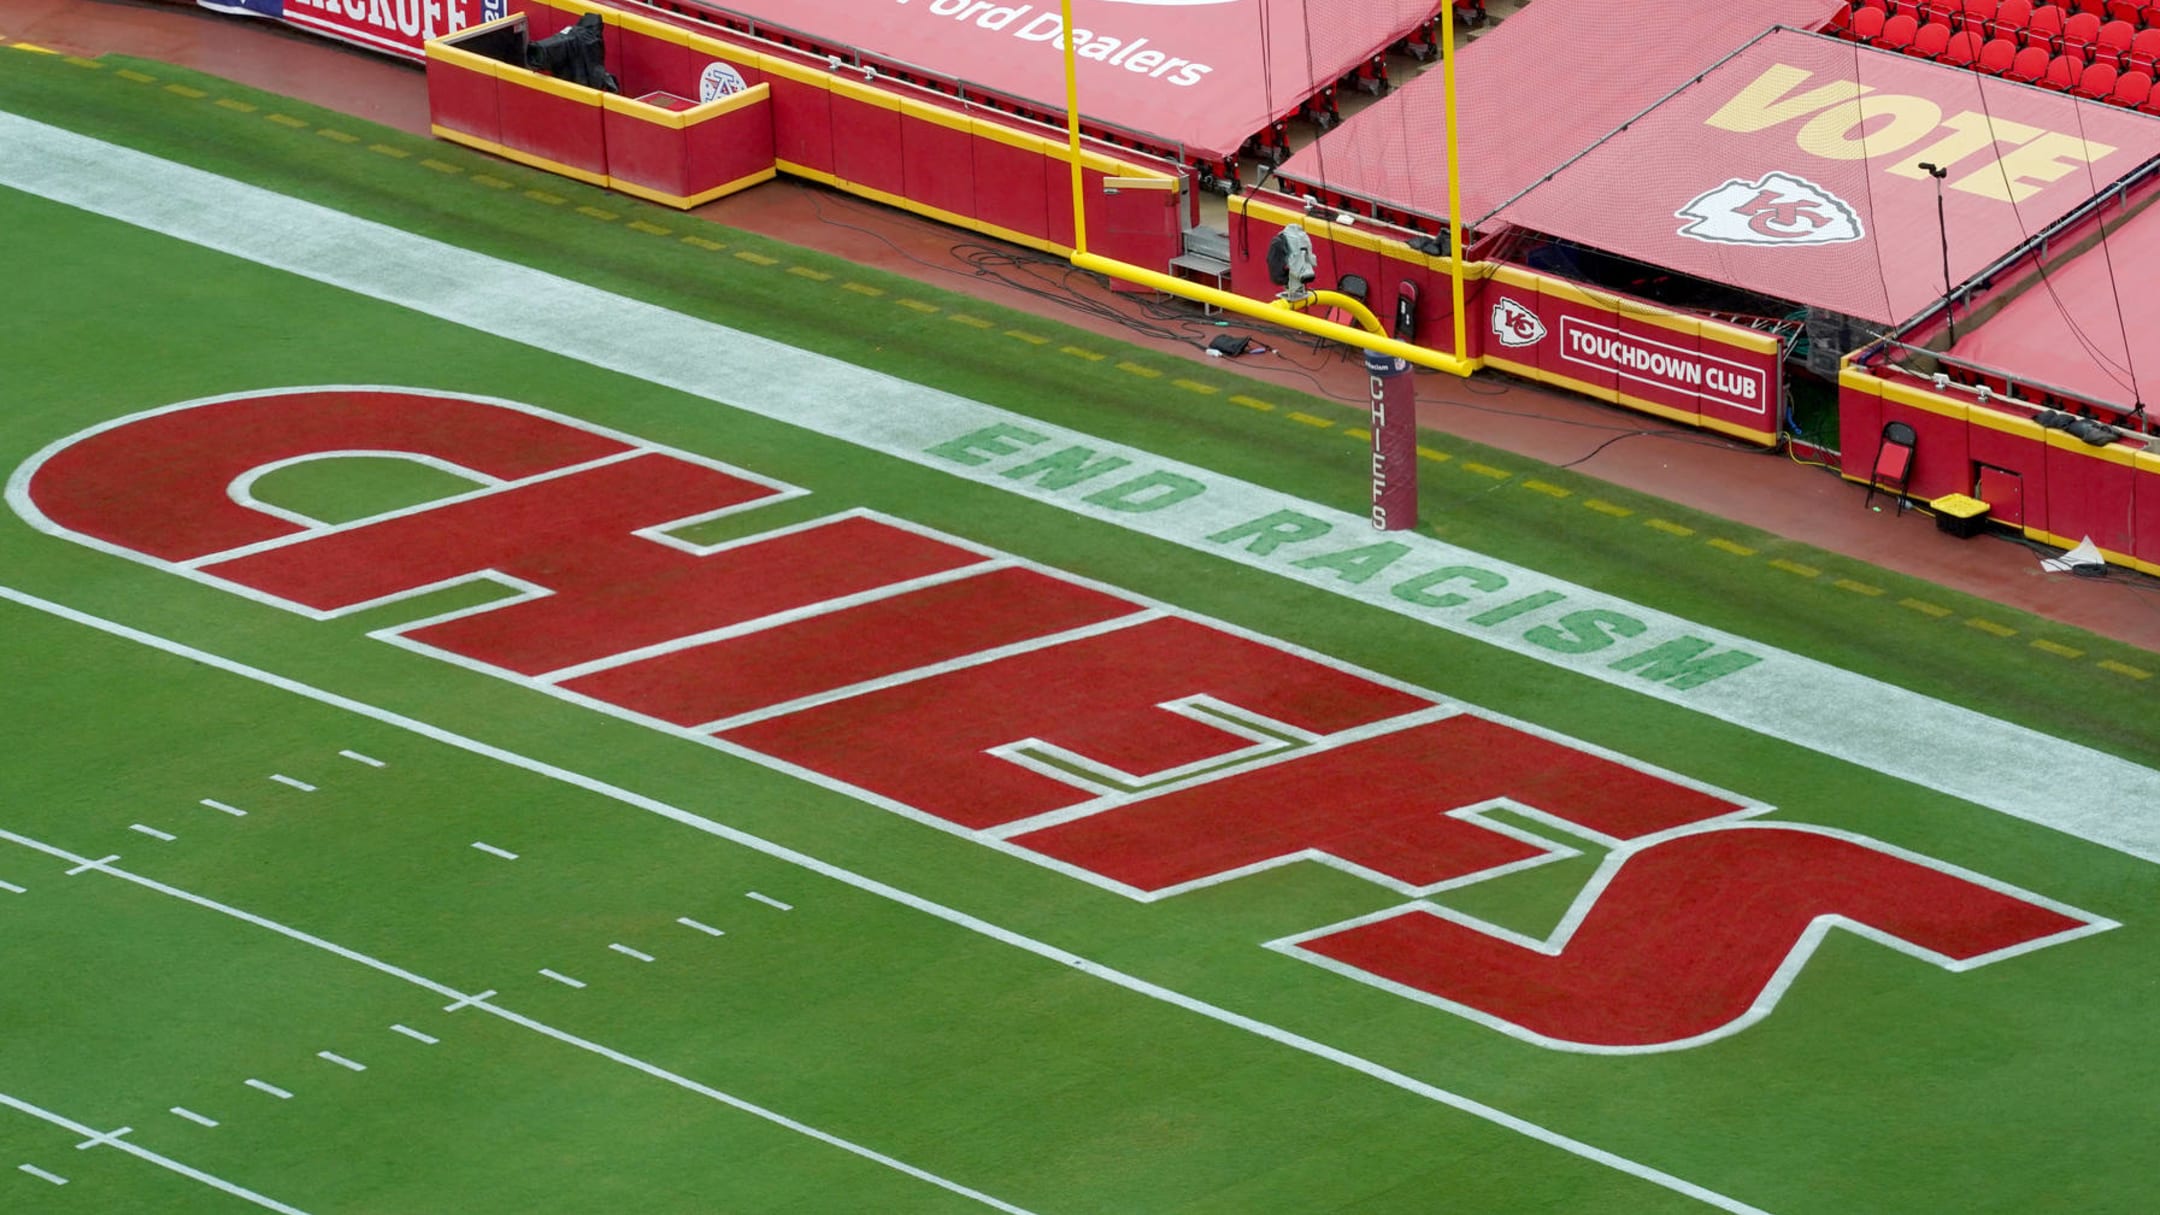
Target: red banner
{"points": [[399, 27]]}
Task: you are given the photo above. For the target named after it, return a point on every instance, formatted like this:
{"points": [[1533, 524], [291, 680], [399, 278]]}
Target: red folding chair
{"points": [[1929, 41], [1893, 462], [1997, 56], [2132, 89], [1961, 51]]}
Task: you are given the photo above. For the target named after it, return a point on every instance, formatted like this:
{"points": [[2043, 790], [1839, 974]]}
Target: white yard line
{"points": [[1063, 957], [707, 929], [563, 979], [144, 1154], [415, 1035], [192, 1116], [1940, 746], [222, 808], [626, 951], [358, 758], [480, 1001], [492, 850], [152, 832], [770, 901], [301, 785], [341, 1061], [271, 1089]]}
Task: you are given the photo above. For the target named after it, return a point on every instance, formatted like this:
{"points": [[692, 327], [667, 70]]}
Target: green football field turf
{"points": [[902, 1018]]}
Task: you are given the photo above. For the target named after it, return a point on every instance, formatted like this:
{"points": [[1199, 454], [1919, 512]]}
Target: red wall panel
{"points": [[2090, 492], [564, 129], [1942, 462], [1860, 421], [2145, 525], [802, 122], [652, 64], [645, 153], [2015, 445], [728, 147], [1011, 189], [938, 163], [464, 98], [866, 138]]}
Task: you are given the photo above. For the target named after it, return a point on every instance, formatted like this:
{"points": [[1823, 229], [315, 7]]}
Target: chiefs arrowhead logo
{"points": [[1515, 325], [1777, 209]]}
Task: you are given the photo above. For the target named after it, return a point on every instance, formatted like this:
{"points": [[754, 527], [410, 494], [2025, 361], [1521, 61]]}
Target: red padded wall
{"points": [[866, 138], [1011, 188], [938, 162], [2090, 494], [1941, 458], [2015, 445], [565, 130], [2145, 540], [464, 99], [728, 146]]}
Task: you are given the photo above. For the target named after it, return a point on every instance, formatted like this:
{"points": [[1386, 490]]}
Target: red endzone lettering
{"points": [[920, 628], [157, 485], [1381, 803], [1689, 935], [923, 743]]}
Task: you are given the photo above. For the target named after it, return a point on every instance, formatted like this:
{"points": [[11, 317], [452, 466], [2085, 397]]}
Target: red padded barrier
{"points": [[555, 122], [1571, 315], [938, 161], [1860, 420], [1140, 227], [644, 153], [2145, 517], [1667, 392], [866, 137], [464, 98], [1011, 189], [728, 147], [2089, 491], [802, 120], [652, 64]]}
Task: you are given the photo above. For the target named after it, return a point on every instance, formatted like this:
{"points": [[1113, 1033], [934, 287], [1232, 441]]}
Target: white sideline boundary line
{"points": [[1064, 957], [462, 1000], [142, 1153], [1983, 760]]}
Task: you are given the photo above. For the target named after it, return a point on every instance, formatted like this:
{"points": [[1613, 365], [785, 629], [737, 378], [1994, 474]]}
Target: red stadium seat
{"points": [[1962, 49], [2132, 89], [2010, 18], [1997, 56], [1897, 33], [1975, 15], [1840, 21], [2029, 66], [2151, 104], [2079, 33], [1930, 41], [2113, 45], [2091, 8], [1867, 24], [2149, 15], [1941, 12], [2096, 81], [2144, 50], [2126, 10], [2044, 27], [2062, 73]]}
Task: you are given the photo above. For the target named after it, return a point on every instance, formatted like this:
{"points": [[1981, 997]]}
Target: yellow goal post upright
{"points": [[1369, 334]]}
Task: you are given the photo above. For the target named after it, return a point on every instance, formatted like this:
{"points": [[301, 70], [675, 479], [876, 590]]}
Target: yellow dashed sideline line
{"points": [[127, 74], [1990, 627], [1548, 489], [1925, 608], [1306, 419], [1032, 339], [1857, 588], [972, 322], [492, 183], [1206, 390], [538, 196], [606, 217], [1728, 546], [181, 90], [1794, 567], [242, 107], [439, 166], [863, 289], [815, 276], [1360, 435], [918, 306], [1137, 369], [336, 136], [756, 259], [1603, 507], [2057, 648], [639, 225], [77, 60], [1668, 527], [1434, 454], [1486, 470], [287, 120], [699, 242], [1251, 402], [33, 48], [383, 149], [1078, 353], [2110, 664]]}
